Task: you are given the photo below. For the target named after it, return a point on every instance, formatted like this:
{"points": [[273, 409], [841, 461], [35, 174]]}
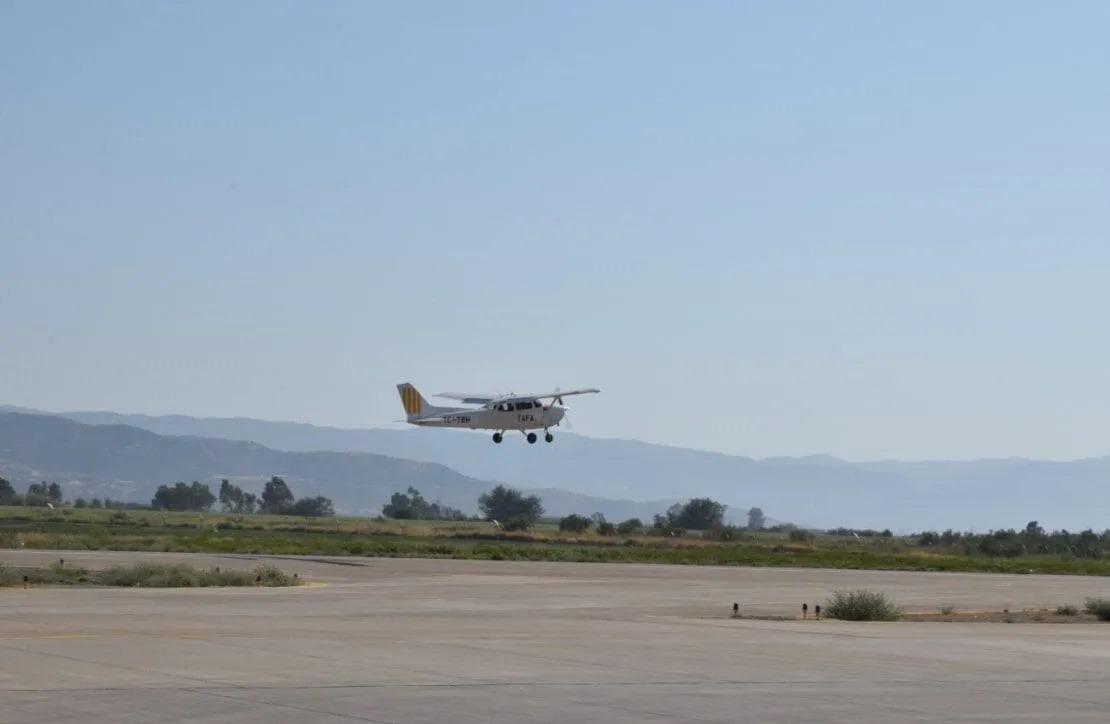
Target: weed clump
{"points": [[1099, 608], [861, 606], [1067, 611], [157, 575]]}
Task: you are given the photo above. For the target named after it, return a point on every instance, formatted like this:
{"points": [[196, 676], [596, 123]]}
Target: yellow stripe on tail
{"points": [[411, 399]]}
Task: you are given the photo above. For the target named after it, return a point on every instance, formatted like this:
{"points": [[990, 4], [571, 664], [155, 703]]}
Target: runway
{"points": [[397, 640]]}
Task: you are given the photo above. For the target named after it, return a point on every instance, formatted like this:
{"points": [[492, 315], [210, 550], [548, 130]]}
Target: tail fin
{"points": [[414, 403]]}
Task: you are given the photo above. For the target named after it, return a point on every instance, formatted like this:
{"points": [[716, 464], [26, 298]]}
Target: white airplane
{"points": [[497, 412]]}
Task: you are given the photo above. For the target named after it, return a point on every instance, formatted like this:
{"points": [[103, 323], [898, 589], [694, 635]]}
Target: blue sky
{"points": [[865, 229]]}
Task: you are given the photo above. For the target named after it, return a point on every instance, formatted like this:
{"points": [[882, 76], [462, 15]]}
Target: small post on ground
{"points": [[805, 610], [817, 612], [735, 610]]}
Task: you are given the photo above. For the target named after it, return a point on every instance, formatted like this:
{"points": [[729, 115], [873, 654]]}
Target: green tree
{"points": [[8, 496], [701, 514], [510, 507], [183, 497], [756, 519], [226, 496], [575, 523], [277, 498], [39, 494], [411, 505], [630, 526], [317, 507], [234, 500]]}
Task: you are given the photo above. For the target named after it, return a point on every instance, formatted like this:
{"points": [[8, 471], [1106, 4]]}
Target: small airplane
{"points": [[525, 413]]}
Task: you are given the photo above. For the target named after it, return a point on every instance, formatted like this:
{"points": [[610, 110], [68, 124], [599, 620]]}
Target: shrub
{"points": [[947, 609], [1067, 611], [1099, 607], [574, 523], [629, 526], [801, 536], [155, 575], [861, 606]]}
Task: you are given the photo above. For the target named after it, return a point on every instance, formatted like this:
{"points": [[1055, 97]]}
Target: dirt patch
{"points": [[1042, 615], [1023, 616]]}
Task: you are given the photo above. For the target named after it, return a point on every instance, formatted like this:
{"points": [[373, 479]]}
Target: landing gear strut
{"points": [[531, 436]]}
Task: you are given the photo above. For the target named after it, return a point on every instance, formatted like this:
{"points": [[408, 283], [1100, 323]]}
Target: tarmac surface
{"points": [[402, 640]]}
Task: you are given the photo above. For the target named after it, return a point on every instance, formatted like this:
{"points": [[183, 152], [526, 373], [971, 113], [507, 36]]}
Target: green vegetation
{"points": [[147, 575], [512, 509], [1010, 543], [1099, 607], [1067, 611], [144, 530], [512, 526], [276, 498], [411, 505], [861, 606]]}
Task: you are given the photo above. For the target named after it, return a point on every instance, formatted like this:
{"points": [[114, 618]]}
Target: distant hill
{"points": [[128, 463], [815, 490]]}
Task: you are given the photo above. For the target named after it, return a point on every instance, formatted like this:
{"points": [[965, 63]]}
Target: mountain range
{"points": [[360, 468], [127, 463]]}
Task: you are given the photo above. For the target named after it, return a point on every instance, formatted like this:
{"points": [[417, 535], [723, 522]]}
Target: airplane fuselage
{"points": [[504, 416]]}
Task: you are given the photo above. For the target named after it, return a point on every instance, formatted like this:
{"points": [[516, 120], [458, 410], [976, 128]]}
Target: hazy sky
{"points": [[868, 229]]}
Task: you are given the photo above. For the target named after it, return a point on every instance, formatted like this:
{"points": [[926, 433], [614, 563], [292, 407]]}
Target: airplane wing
{"points": [[563, 393], [467, 398]]}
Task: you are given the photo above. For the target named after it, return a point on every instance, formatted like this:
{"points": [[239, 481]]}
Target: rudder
{"points": [[411, 399]]}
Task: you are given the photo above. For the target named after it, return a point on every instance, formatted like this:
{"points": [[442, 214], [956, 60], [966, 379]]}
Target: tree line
{"points": [[43, 494], [511, 509], [37, 494], [276, 498], [1011, 543]]}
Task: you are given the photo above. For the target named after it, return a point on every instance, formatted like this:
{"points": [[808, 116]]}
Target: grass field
{"points": [[87, 529], [144, 575]]}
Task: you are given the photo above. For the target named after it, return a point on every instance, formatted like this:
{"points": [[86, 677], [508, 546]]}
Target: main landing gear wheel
{"points": [[531, 438], [549, 437], [497, 437]]}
